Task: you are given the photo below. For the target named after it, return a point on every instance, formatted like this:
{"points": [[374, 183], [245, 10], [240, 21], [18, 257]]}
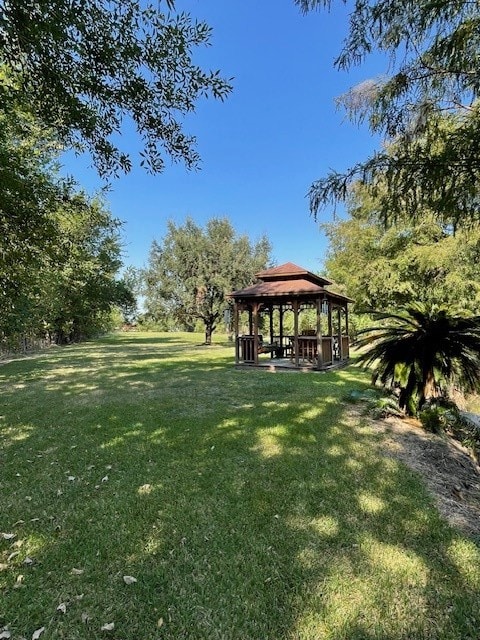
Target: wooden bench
{"points": [[267, 348]]}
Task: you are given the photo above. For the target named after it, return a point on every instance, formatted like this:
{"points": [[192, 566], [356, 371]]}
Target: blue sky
{"points": [[261, 148]]}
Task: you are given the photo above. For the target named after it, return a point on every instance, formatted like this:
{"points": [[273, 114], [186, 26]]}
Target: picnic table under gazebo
{"points": [[289, 288]]}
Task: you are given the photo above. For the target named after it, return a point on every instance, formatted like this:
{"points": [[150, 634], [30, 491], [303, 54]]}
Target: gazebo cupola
{"points": [[290, 288]]}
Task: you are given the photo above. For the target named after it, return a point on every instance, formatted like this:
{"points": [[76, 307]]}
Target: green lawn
{"points": [[246, 504]]}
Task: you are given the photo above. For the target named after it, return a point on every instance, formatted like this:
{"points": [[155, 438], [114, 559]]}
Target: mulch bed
{"points": [[451, 475]]}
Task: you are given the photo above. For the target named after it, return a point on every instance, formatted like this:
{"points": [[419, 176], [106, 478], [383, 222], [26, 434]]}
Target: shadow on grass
{"points": [[247, 505], [132, 338]]}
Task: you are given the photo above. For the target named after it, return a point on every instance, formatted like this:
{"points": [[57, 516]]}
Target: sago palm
{"points": [[421, 350]]}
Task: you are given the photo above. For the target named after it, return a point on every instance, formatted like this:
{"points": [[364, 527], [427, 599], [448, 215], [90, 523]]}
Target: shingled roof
{"points": [[287, 281], [291, 271]]}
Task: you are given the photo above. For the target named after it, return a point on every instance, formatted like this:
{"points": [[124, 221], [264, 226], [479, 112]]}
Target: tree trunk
{"points": [[406, 399], [208, 332], [429, 390]]}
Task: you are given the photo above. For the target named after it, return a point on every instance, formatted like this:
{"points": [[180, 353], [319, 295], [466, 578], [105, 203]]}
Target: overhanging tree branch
{"points": [[428, 109], [85, 66]]}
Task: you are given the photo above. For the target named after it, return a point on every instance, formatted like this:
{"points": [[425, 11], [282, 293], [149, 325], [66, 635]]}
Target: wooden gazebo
{"points": [[291, 289]]}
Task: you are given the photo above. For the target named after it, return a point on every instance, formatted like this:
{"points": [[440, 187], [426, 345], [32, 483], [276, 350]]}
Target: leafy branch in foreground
{"points": [[86, 66], [421, 350], [428, 107], [439, 172]]}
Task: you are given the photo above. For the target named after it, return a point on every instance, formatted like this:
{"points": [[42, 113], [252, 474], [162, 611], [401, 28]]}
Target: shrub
{"points": [[439, 416]]}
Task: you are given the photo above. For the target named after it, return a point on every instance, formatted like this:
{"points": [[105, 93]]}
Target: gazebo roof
{"points": [[290, 271], [288, 281]]}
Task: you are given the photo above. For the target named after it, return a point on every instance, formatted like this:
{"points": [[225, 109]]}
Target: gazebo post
{"points": [[280, 310], [295, 331], [339, 316], [330, 329], [347, 329], [271, 327], [319, 335], [255, 332], [236, 324], [250, 321]]}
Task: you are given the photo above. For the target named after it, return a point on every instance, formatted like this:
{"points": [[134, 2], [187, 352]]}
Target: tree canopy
{"points": [[404, 263], [86, 66], [192, 270], [59, 249], [427, 107]]}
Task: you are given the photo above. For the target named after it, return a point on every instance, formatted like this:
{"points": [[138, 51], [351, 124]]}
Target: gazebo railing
{"points": [[248, 347], [327, 350], [308, 349]]}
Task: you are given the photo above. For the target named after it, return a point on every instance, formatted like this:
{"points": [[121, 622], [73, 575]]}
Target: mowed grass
{"points": [[246, 504]]}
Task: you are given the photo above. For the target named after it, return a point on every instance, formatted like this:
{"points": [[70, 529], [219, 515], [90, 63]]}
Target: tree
{"points": [[80, 280], [132, 284], [59, 248], [68, 289], [85, 66], [428, 107], [30, 194], [405, 262], [192, 271], [421, 349]]}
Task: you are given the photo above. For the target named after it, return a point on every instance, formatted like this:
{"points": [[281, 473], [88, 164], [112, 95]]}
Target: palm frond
{"points": [[430, 348]]}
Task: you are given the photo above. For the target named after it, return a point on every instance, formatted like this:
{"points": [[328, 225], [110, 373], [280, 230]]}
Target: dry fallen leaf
{"points": [[71, 478], [76, 572], [62, 607], [38, 633], [85, 618], [110, 626], [5, 634], [129, 579], [108, 467], [28, 560], [18, 581], [7, 536], [12, 555], [160, 623], [3, 566], [105, 479]]}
